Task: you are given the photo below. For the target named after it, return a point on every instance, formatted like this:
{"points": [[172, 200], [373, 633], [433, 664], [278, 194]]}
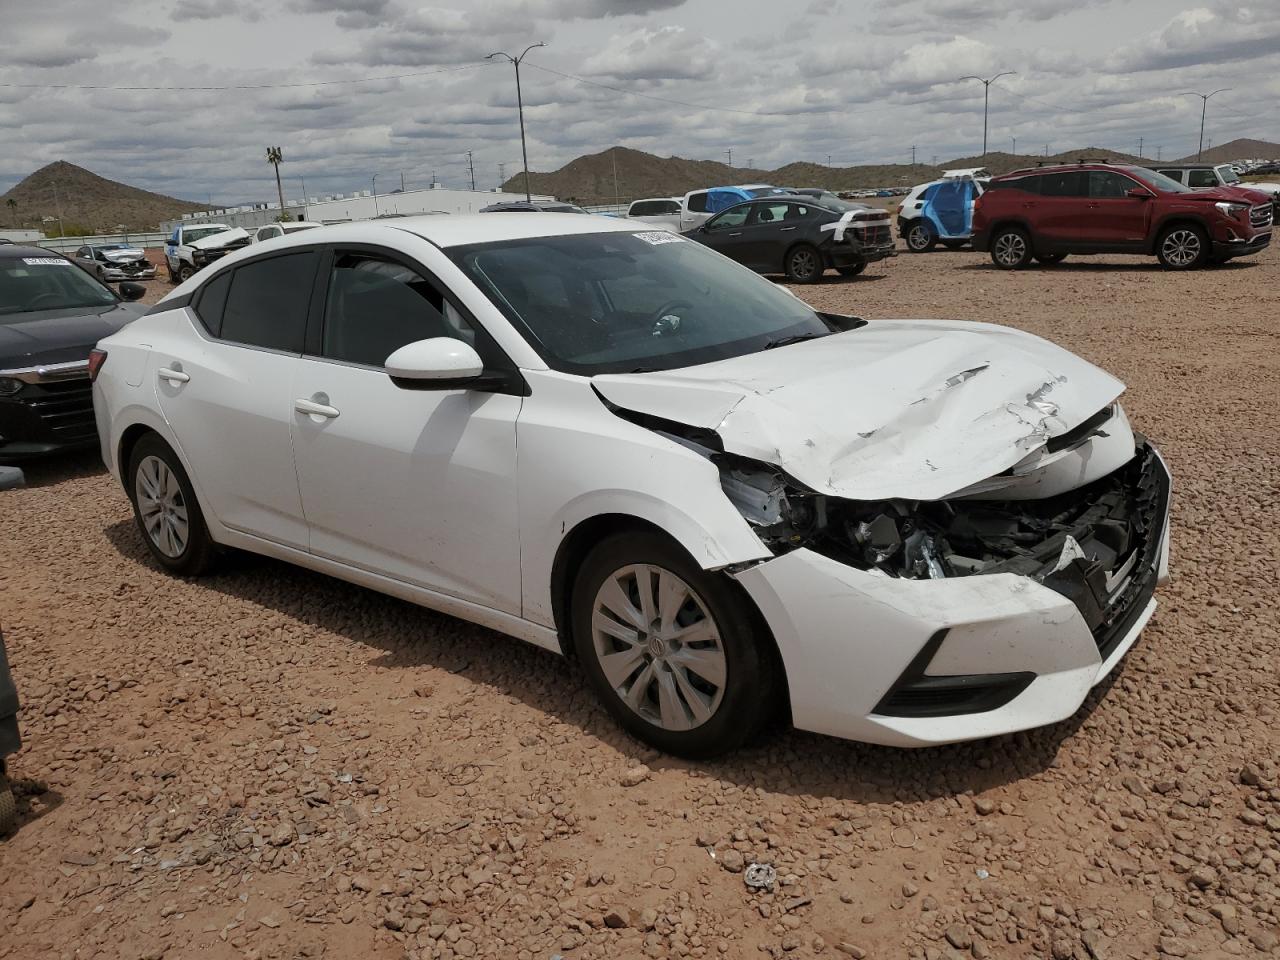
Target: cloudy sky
{"points": [[853, 80]]}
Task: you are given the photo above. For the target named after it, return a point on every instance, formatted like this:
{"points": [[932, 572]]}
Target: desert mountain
{"points": [[85, 200]]}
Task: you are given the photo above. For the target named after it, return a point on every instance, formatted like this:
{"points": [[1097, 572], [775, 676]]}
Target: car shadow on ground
{"points": [[783, 761], [35, 801], [1084, 266], [58, 468]]}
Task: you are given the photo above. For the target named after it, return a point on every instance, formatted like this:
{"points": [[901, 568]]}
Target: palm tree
{"points": [[275, 156], [12, 204]]}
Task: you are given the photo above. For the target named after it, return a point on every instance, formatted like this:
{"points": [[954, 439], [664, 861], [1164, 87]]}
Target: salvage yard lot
{"points": [[270, 763]]}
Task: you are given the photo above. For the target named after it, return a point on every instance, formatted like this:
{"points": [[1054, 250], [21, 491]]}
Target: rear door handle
{"points": [[785, 229], [317, 406], [173, 374], [738, 234]]}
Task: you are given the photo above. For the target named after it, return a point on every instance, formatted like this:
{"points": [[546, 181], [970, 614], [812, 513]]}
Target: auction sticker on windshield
{"points": [[656, 237], [49, 261]]}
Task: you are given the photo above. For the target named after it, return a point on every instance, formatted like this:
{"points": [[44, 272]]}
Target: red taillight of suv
{"points": [[96, 359]]}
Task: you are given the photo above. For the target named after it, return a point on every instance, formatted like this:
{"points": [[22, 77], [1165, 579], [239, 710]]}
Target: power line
{"points": [[240, 86]]}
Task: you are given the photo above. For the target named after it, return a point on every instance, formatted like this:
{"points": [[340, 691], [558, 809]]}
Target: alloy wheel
{"points": [[918, 238], [1011, 249], [162, 507], [803, 264], [1181, 248], [659, 647]]}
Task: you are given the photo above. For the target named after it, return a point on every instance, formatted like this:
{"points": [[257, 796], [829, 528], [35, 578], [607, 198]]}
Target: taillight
{"points": [[96, 359]]}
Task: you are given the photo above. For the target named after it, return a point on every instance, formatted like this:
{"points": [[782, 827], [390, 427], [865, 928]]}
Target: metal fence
{"points": [[71, 244], [616, 209]]}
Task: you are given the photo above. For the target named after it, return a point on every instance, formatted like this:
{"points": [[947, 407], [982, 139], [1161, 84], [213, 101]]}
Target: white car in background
{"points": [[618, 444], [660, 211], [192, 247], [273, 230], [914, 230]]}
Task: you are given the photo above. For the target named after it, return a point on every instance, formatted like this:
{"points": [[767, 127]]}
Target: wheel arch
{"points": [[1177, 220]]}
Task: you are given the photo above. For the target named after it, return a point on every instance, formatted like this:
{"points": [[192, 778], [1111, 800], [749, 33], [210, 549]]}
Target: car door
{"points": [[1062, 212], [414, 484], [693, 210], [726, 232], [225, 384], [1114, 216], [770, 230]]}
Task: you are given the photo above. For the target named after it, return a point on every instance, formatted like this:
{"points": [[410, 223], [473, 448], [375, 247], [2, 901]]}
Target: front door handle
{"points": [[738, 234], [173, 374], [785, 229], [317, 407]]}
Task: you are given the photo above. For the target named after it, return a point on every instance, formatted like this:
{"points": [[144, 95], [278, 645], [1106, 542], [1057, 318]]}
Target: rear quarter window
{"points": [[210, 301]]}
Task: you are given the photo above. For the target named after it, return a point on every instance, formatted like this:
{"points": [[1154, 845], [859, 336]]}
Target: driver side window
{"points": [[377, 305]]}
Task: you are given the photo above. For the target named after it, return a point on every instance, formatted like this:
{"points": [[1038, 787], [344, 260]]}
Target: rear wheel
{"points": [[1011, 248], [804, 264], [165, 508], [920, 238], [672, 650], [1184, 246], [1049, 259], [853, 269]]}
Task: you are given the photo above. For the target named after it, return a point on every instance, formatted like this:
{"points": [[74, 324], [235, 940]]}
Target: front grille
{"points": [[63, 409], [1261, 215], [874, 234]]}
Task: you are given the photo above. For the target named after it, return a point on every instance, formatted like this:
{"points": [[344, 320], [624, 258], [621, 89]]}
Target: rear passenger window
{"points": [[211, 301], [1066, 184], [267, 304]]}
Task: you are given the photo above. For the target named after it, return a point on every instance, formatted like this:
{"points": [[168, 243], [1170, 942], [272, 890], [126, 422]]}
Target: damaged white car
{"points": [[620, 445]]}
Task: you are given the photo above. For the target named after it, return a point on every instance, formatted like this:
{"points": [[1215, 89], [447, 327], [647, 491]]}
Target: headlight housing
{"points": [[1236, 211], [9, 386]]}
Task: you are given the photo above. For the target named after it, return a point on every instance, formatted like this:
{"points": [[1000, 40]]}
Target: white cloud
{"points": [[662, 53]]}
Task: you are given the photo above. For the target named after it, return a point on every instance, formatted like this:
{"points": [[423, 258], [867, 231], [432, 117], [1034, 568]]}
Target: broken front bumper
{"points": [[919, 662]]}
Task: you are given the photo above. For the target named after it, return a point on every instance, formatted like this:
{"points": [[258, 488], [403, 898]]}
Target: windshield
{"points": [[28, 284], [633, 302], [111, 246], [1227, 174], [1157, 180], [199, 233]]}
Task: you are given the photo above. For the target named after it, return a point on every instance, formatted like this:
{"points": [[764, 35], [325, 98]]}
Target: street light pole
{"points": [[986, 100], [1204, 104], [374, 179], [524, 152]]}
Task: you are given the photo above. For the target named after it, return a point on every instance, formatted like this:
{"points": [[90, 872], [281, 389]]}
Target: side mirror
{"points": [[132, 291], [1139, 193], [441, 363]]}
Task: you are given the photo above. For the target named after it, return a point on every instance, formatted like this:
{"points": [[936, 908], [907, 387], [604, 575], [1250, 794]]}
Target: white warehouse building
{"points": [[359, 206]]}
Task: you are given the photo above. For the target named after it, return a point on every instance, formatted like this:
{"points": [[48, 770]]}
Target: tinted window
{"points": [[777, 212], [1172, 174], [1071, 183], [1201, 178], [649, 208], [267, 232], [375, 306], [1105, 185], [267, 303], [211, 300], [83, 252], [1025, 184], [698, 202], [735, 217]]}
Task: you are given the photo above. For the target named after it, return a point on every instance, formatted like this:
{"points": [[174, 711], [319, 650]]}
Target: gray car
{"points": [[114, 262]]}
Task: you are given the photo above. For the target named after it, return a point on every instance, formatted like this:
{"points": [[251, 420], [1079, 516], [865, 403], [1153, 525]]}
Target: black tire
{"points": [[1183, 246], [1049, 259], [920, 237], [1011, 248], [8, 806], [748, 696], [197, 551], [804, 264], [853, 269], [185, 272], [954, 244]]}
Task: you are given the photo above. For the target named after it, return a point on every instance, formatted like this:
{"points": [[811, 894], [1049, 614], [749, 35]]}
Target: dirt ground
{"points": [[271, 764]]}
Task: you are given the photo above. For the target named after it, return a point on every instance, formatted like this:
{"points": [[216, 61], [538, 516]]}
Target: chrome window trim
{"points": [[49, 372]]}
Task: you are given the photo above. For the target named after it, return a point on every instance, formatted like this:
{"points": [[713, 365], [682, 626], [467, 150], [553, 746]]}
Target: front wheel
{"points": [[804, 264], [1183, 246], [853, 269], [166, 511], [1011, 249], [920, 238], [672, 650], [186, 272]]}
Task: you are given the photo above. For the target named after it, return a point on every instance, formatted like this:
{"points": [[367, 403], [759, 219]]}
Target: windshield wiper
{"points": [[794, 338]]}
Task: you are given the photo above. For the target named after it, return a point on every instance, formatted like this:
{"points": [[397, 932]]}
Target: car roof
{"points": [[1058, 167], [1185, 166], [14, 251]]}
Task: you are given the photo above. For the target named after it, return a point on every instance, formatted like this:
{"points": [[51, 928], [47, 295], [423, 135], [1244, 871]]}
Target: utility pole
{"points": [[613, 155], [1159, 150], [402, 181], [913, 155], [524, 150], [472, 167], [57, 203], [1015, 145], [828, 159], [1204, 106], [729, 153], [304, 197], [502, 174], [375, 195], [1046, 149], [1139, 147], [986, 100]]}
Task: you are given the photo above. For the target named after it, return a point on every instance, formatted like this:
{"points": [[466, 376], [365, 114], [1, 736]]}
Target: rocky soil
{"points": [[271, 764]]}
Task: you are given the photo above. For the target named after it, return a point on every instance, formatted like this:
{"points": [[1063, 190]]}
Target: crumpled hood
{"points": [[911, 409], [218, 240], [61, 336], [126, 255]]}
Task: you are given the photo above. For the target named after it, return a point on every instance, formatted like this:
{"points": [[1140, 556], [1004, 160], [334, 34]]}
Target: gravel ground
{"points": [[270, 763]]}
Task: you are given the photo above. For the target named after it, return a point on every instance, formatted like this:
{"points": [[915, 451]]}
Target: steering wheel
{"points": [[666, 321], [57, 297]]}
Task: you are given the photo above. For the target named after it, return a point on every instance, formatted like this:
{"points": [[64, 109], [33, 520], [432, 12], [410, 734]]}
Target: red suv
{"points": [[1048, 212]]}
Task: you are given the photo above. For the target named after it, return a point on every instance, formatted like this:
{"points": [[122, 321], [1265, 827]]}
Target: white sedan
{"points": [[620, 445]]}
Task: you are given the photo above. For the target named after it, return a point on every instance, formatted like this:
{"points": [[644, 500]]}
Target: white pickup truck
{"points": [[191, 247], [659, 211]]}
